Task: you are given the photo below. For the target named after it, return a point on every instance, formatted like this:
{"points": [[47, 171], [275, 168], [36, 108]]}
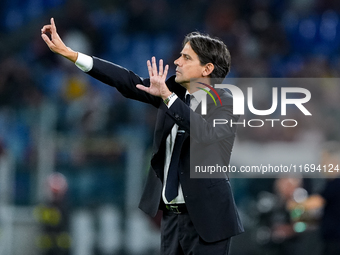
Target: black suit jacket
{"points": [[209, 201]]}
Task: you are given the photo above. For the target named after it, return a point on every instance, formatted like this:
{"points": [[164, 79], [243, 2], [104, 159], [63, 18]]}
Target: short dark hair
{"points": [[210, 50]]}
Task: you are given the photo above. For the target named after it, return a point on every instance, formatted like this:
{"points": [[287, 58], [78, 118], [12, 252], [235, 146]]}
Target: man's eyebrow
{"points": [[186, 55]]}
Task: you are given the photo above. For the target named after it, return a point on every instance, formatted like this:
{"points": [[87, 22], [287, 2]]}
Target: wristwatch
{"points": [[167, 100]]}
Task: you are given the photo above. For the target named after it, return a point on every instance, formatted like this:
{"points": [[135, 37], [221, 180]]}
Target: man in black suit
{"points": [[199, 214]]}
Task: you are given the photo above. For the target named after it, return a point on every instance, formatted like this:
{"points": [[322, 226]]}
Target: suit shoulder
{"points": [[175, 87], [226, 96]]}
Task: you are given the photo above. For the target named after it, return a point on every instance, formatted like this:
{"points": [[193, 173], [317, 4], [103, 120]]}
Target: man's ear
{"points": [[208, 69]]}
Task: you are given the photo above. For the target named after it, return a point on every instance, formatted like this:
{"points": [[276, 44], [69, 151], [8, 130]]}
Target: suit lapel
{"points": [[167, 120]]}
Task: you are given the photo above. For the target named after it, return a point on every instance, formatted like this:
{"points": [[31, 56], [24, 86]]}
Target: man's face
{"points": [[188, 66]]}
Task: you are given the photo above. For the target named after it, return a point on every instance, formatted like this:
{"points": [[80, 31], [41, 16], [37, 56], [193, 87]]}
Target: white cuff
{"points": [[172, 100], [84, 62]]}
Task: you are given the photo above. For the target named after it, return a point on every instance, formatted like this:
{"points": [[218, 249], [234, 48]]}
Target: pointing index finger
{"points": [[54, 28]]}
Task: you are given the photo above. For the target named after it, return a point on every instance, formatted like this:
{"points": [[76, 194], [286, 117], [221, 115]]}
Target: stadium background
{"points": [[55, 119]]}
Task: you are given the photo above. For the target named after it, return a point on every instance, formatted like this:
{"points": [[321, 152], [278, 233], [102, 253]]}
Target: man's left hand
{"points": [[157, 80]]}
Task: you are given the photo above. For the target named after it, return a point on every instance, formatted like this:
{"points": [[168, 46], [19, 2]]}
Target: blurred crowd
{"points": [[267, 39]]}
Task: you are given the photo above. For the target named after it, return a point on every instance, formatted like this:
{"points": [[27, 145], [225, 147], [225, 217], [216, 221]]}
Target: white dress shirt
{"points": [[170, 141]]}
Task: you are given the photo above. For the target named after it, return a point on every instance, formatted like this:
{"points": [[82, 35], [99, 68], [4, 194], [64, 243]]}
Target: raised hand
{"points": [[55, 43], [157, 79]]}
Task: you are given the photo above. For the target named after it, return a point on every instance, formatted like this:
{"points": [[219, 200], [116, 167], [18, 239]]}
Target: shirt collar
{"points": [[197, 94]]}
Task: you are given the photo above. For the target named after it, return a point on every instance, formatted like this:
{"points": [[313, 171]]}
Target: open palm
{"points": [[157, 79]]}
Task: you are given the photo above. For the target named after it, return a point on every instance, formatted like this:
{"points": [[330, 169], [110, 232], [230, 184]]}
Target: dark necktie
{"points": [[172, 182], [187, 99]]}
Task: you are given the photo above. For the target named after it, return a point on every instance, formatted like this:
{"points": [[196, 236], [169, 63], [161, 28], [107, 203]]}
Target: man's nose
{"points": [[177, 62]]}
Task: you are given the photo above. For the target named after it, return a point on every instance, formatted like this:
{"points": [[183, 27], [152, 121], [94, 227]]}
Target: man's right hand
{"points": [[55, 43]]}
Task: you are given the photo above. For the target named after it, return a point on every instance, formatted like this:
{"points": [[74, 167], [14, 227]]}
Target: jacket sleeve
{"points": [[123, 80]]}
